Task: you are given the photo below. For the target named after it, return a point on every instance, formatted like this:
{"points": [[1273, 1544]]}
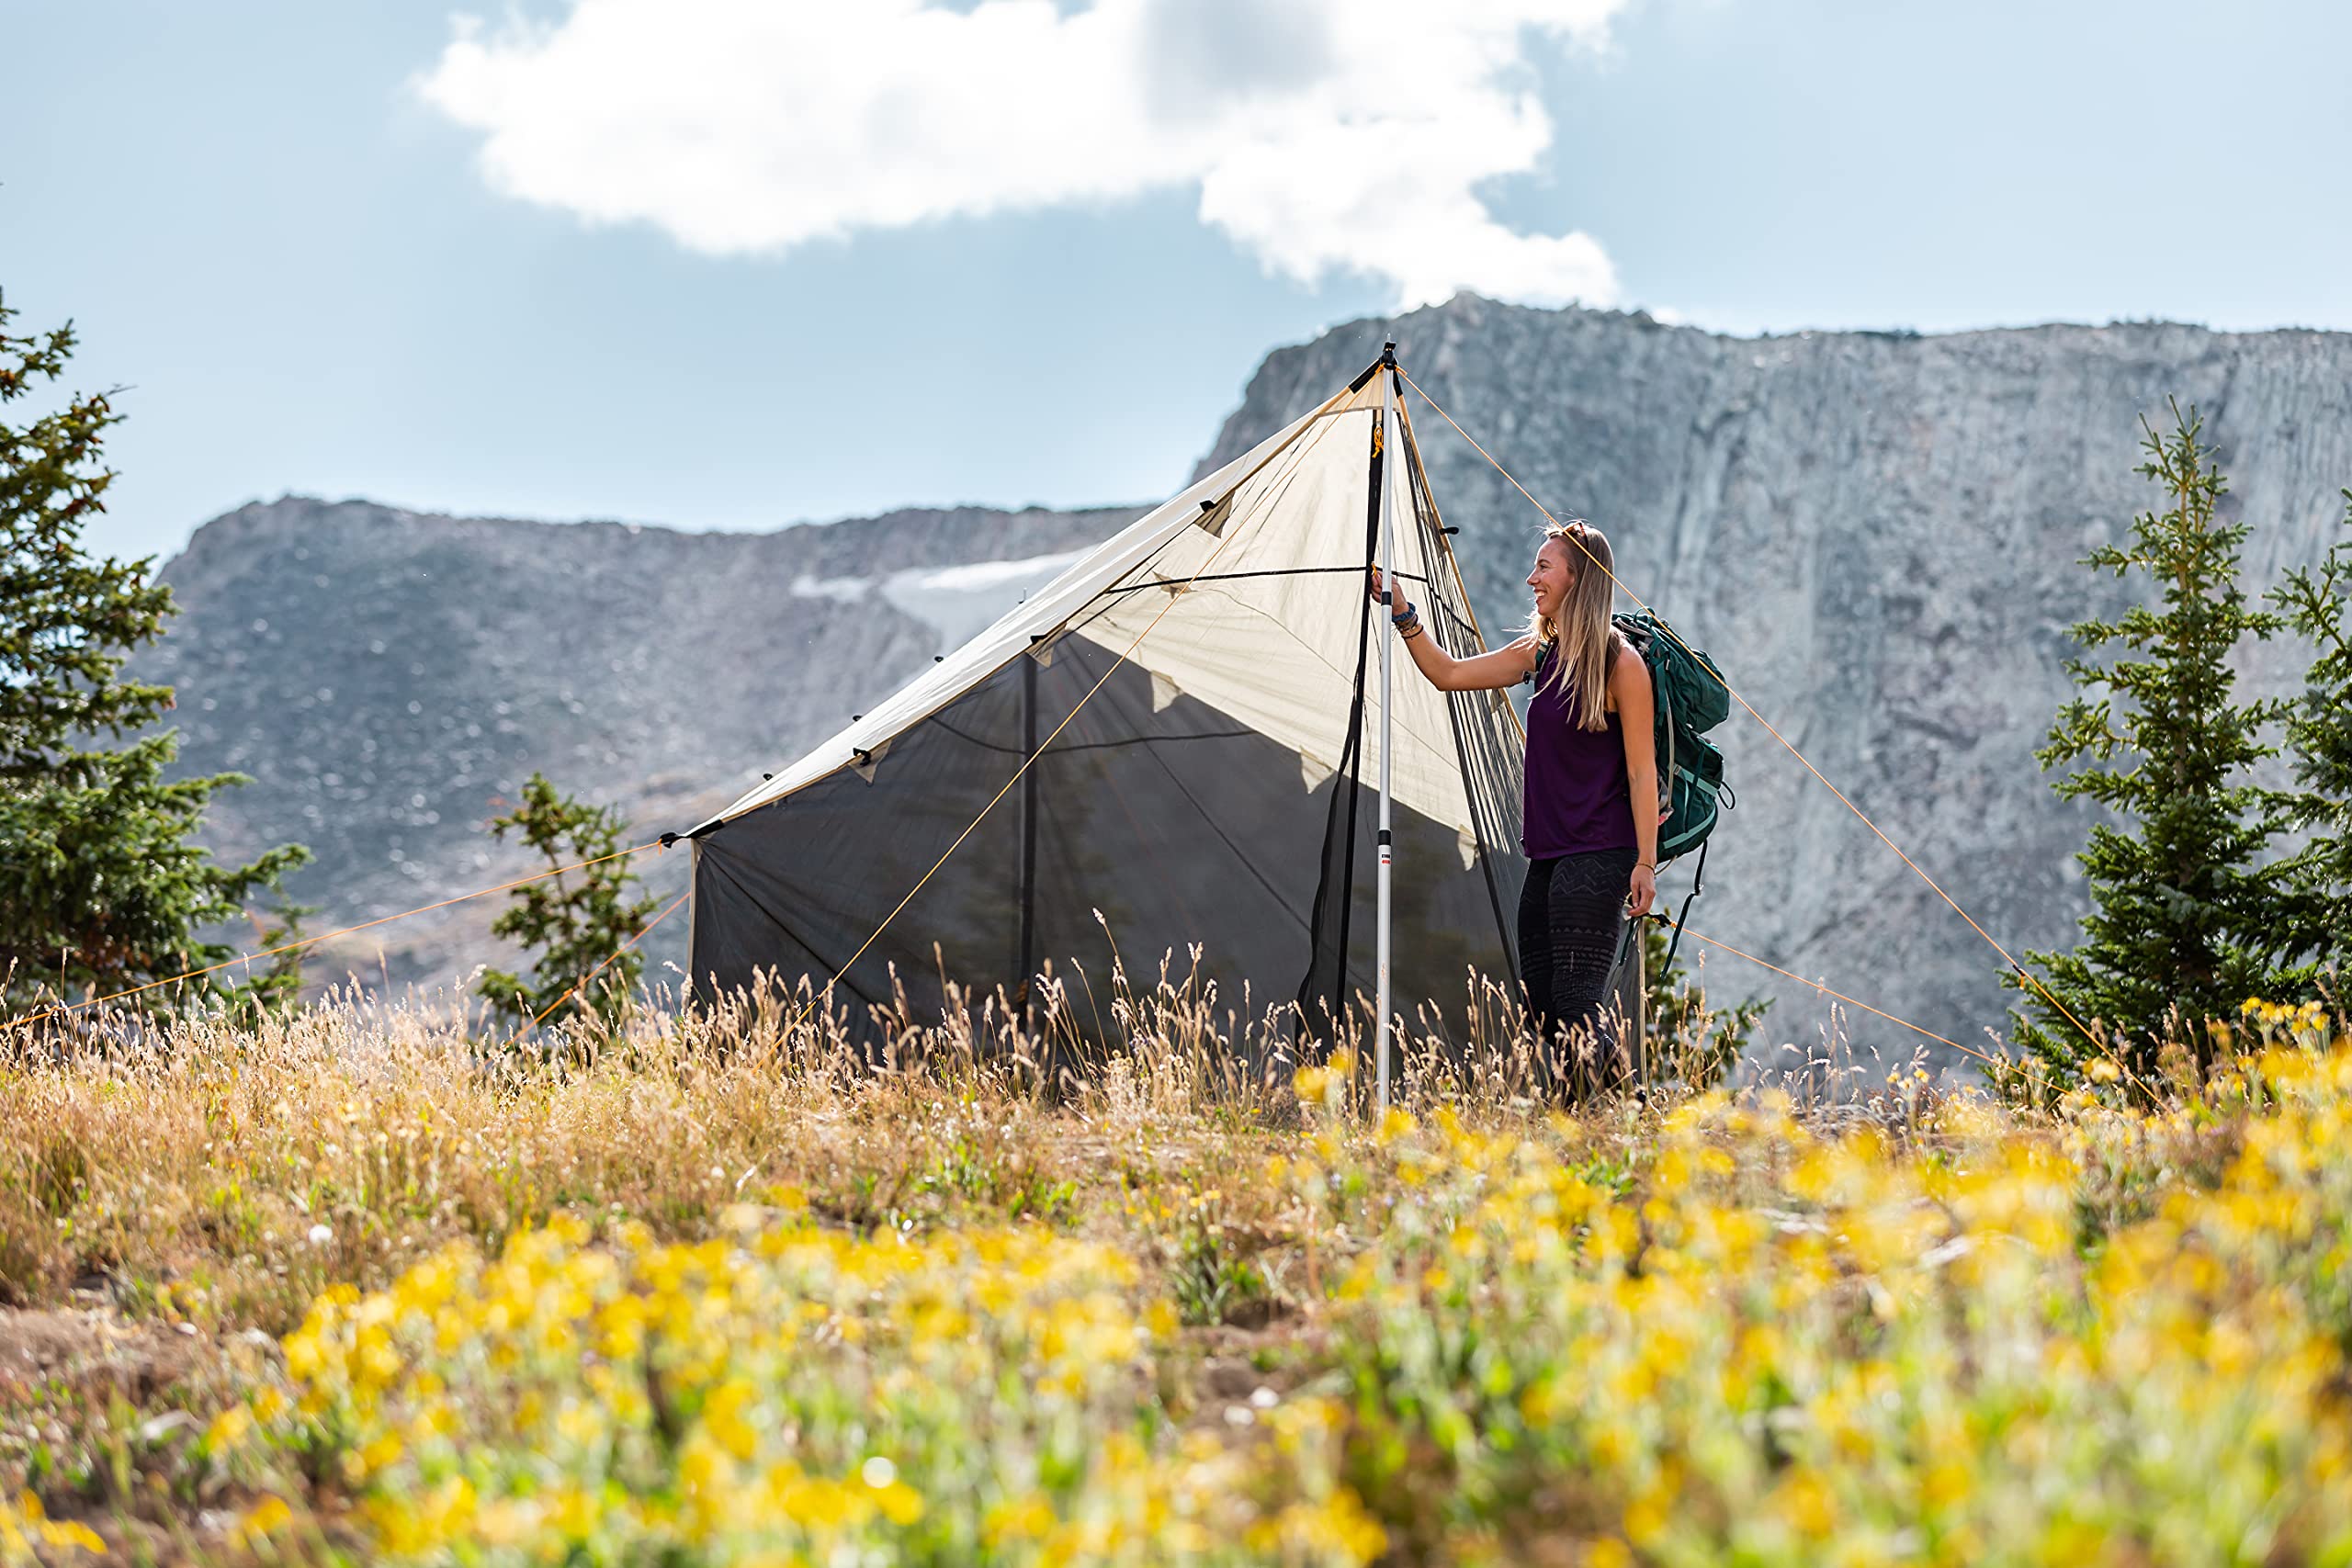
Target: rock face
{"points": [[1876, 536], [389, 679]]}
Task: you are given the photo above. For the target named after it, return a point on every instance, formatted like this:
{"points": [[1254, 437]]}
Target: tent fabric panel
{"points": [[1489, 742], [799, 893], [1161, 825], [1324, 992], [1273, 637]]}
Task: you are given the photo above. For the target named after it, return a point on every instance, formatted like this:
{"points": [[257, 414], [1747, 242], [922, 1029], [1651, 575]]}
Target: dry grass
{"points": [[173, 1205]]}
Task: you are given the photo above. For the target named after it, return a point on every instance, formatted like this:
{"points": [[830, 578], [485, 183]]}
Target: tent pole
{"points": [[1028, 957], [1387, 651]]}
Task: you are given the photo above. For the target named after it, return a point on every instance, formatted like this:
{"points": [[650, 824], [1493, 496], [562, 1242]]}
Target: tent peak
{"points": [[1387, 361]]}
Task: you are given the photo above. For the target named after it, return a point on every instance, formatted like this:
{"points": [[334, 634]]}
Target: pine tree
{"points": [[2319, 743], [100, 887], [574, 922], [2184, 924]]}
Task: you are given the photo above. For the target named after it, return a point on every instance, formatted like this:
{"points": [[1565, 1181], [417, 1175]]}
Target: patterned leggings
{"points": [[1571, 915]]}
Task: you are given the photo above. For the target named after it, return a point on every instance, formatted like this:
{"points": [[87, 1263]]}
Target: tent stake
{"points": [[1387, 649]]}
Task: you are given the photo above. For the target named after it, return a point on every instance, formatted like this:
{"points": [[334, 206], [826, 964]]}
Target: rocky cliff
{"points": [[1876, 534]]}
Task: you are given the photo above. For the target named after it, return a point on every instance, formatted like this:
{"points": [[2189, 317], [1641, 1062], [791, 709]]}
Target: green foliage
{"points": [[575, 922], [99, 887], [2319, 742], [1700, 1043], [2185, 923], [1214, 1277], [70, 619]]}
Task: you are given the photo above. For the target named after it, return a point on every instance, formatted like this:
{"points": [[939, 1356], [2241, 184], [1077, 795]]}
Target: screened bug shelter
{"points": [[1182, 740]]}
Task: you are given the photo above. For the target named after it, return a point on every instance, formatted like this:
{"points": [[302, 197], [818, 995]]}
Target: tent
{"points": [[1180, 742]]}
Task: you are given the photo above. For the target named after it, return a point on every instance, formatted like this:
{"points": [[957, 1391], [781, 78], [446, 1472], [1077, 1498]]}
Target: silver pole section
{"points": [[1388, 475]]}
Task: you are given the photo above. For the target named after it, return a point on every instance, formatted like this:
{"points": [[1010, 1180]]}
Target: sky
{"points": [[733, 264]]}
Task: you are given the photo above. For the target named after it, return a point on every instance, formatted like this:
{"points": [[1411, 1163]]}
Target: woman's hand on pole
{"points": [[1643, 892], [1397, 607]]}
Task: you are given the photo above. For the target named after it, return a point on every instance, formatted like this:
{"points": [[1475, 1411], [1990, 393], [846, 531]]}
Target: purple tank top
{"points": [[1577, 794]]}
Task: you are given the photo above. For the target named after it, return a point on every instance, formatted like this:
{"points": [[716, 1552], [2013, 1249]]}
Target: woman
{"points": [[1590, 826]]}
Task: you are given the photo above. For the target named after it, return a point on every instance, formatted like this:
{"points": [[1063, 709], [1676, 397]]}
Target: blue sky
{"points": [[723, 263]]}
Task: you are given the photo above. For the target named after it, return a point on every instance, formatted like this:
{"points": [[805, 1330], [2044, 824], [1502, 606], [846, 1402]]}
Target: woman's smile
{"points": [[1549, 579]]}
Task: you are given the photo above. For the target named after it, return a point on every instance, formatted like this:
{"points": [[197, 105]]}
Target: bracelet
{"points": [[1639, 863]]}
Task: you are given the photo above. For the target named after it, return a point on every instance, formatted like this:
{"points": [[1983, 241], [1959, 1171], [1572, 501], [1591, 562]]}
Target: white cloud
{"points": [[1322, 135]]}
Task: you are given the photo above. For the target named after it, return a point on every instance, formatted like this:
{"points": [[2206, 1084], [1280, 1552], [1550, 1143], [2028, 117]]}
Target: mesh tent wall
{"points": [[1192, 703]]}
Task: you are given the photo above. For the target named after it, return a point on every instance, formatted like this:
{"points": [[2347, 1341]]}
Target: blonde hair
{"points": [[1584, 644]]}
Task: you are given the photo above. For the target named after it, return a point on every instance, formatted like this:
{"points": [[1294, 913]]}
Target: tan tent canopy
{"points": [[1209, 681]]}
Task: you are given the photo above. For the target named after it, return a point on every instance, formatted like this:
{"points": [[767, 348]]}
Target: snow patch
{"points": [[843, 590], [961, 602]]}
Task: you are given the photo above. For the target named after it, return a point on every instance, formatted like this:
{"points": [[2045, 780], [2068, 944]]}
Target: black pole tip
{"points": [[1388, 354]]}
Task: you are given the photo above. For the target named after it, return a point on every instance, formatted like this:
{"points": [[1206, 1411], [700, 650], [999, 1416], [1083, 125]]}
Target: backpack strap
{"points": [[1665, 698], [1698, 886]]}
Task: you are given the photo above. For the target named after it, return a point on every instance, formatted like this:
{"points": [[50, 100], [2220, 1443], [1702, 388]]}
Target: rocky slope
{"points": [[1876, 534], [389, 679]]}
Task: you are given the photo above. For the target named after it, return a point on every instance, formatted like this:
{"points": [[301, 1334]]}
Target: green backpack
{"points": [[1691, 698]]}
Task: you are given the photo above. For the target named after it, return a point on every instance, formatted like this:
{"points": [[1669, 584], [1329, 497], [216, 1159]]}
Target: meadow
{"points": [[345, 1286]]}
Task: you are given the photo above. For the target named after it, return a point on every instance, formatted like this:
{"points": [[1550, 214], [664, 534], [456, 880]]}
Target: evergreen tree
{"points": [[1704, 1044], [2319, 742], [100, 889], [2184, 923], [573, 922]]}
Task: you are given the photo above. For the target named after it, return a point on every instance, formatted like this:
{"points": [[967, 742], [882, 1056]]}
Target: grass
{"points": [[711, 1290]]}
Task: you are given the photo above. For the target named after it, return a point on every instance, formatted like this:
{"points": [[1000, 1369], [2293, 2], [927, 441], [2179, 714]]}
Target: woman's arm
{"points": [[1629, 683], [1505, 666]]}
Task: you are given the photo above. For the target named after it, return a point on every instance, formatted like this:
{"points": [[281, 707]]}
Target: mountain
{"points": [[389, 678], [1876, 536], [1874, 533]]}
